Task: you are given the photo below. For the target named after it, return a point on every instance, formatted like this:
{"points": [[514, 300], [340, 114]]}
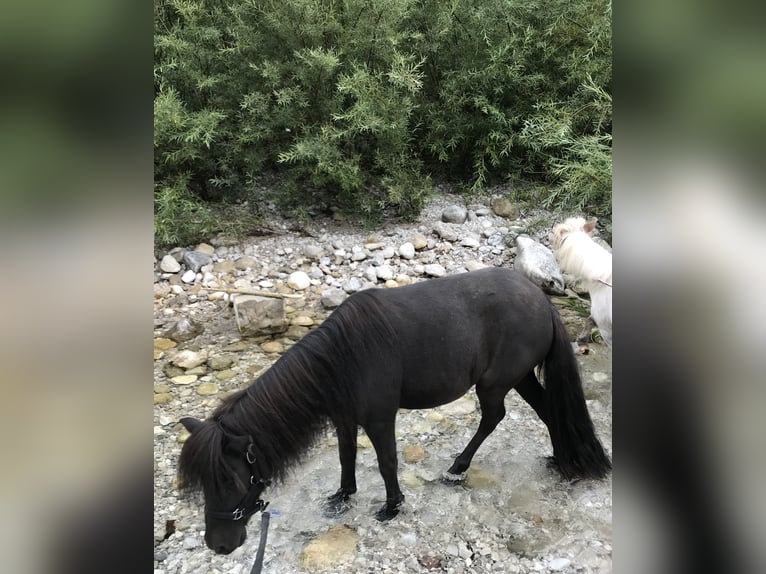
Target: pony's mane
{"points": [[286, 409]]}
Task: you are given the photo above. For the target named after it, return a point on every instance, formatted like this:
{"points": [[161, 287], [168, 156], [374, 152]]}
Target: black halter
{"points": [[250, 503]]}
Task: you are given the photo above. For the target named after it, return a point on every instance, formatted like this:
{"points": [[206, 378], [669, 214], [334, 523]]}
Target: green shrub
{"points": [[359, 105]]}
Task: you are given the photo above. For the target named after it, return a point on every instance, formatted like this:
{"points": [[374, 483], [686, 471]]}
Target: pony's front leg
{"points": [[338, 503], [383, 439]]}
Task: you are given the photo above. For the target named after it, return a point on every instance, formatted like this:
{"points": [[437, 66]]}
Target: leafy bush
{"points": [[359, 105]]}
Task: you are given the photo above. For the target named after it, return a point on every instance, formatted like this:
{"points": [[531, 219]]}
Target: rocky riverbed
{"points": [[512, 514]]}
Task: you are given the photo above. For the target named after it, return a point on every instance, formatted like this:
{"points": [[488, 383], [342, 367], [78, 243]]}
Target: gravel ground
{"points": [[513, 514]]}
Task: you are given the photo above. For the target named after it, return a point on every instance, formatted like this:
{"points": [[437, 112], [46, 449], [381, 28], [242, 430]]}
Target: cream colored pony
{"points": [[578, 255]]}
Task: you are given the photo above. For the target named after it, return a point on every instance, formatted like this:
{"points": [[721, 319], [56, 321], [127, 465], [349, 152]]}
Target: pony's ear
{"points": [[191, 423], [590, 226]]}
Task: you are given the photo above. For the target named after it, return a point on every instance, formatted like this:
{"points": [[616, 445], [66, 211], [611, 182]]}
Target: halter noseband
{"points": [[250, 503]]}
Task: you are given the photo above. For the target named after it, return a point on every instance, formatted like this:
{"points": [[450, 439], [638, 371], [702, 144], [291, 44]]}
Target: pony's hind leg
{"points": [[337, 503], [491, 398], [533, 394]]}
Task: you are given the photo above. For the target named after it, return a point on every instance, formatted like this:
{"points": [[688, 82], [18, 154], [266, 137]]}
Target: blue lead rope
{"points": [[258, 564]]}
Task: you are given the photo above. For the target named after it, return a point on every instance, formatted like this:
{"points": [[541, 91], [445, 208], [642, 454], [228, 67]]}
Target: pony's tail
{"points": [[577, 451]]}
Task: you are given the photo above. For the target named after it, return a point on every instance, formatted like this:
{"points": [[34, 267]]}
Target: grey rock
{"points": [[169, 264], [313, 251], [454, 214], [434, 270], [352, 285], [221, 362], [535, 261], [260, 315], [185, 329], [502, 207], [195, 260], [245, 262], [371, 274], [446, 231], [331, 298]]}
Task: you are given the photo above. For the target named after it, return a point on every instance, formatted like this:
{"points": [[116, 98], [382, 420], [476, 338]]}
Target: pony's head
{"points": [[223, 466], [571, 225]]}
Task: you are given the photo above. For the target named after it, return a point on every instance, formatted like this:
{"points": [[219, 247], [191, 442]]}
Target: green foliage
{"points": [[180, 218], [359, 104]]}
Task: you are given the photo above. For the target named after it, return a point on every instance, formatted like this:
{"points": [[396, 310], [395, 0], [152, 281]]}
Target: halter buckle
{"points": [[237, 514], [250, 454]]}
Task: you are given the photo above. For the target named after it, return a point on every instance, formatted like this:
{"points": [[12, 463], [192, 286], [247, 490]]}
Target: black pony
{"points": [[412, 347]]}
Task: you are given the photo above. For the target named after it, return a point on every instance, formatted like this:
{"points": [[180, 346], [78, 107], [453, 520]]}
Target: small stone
{"points": [[332, 298], [470, 242], [407, 250], [459, 407], [206, 389], [313, 251], [419, 241], [206, 249], [384, 272], [434, 270], [169, 264], [299, 281], [502, 207], [188, 359], [189, 276], [360, 255], [245, 262], [273, 347], [403, 279], [163, 344], [226, 266], [473, 265], [184, 379], [162, 398], [191, 542], [558, 564], [413, 453], [411, 480], [351, 286], [446, 231], [221, 362], [363, 441], [454, 214], [302, 320]]}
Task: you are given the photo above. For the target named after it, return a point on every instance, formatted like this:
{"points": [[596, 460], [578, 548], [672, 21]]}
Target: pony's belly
{"points": [[429, 400]]}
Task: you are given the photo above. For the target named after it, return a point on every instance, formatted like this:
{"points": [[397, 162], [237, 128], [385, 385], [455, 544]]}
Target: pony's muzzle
{"points": [[225, 545]]}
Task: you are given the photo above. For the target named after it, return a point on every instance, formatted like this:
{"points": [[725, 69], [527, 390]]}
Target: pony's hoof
{"points": [[453, 479], [388, 510], [337, 504]]}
